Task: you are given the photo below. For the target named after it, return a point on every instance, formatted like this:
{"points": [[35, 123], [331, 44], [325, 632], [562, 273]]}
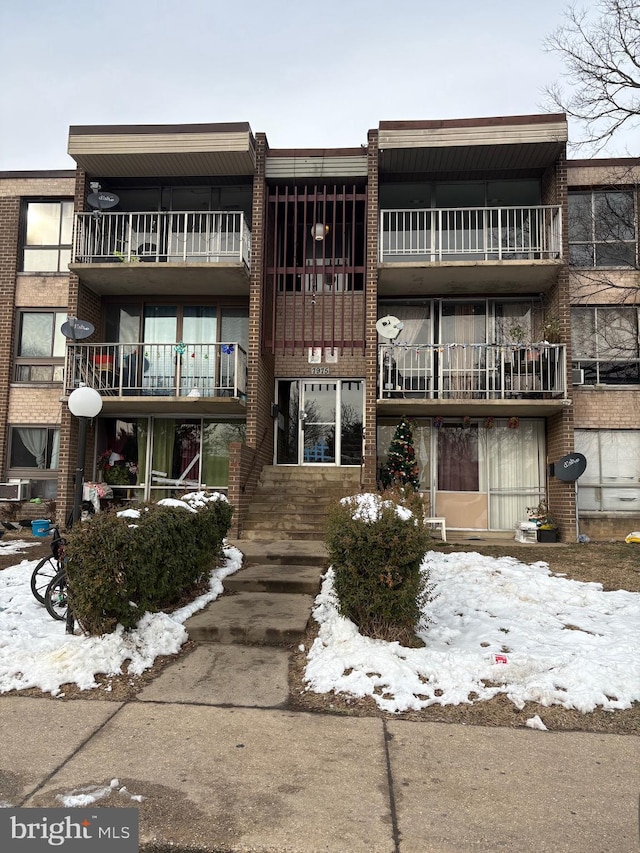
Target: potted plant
{"points": [[547, 529]]}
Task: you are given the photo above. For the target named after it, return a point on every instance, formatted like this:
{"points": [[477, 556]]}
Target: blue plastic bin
{"points": [[40, 527]]}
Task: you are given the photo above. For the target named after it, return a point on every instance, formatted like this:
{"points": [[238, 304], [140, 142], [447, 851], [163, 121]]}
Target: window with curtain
{"points": [[611, 482], [41, 346], [458, 459], [515, 460], [606, 344], [602, 228], [34, 447], [47, 237]]}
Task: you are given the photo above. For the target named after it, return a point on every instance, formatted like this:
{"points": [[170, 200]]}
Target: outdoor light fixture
{"points": [[84, 403], [319, 231]]}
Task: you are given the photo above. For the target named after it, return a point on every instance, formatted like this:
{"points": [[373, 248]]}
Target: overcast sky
{"points": [[314, 74]]}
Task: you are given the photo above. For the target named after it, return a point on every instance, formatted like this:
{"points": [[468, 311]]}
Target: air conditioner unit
{"points": [[15, 490], [577, 376]]}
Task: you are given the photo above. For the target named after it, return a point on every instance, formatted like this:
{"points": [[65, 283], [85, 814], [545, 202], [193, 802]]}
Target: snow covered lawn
{"points": [[497, 625]]}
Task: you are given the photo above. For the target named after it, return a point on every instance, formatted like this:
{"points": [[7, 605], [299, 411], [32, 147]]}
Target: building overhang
{"points": [[164, 150], [161, 406], [520, 144], [420, 278], [219, 279], [519, 408]]}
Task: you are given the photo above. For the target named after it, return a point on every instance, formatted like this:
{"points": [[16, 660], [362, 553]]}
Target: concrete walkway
{"points": [[222, 764]]}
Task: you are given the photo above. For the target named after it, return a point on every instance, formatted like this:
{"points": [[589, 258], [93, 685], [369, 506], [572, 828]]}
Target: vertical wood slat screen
{"points": [[315, 268]]}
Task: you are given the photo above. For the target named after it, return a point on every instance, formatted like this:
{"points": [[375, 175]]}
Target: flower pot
{"points": [[550, 535]]}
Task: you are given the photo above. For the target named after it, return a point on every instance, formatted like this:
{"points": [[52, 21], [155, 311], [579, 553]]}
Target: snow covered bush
{"points": [[120, 567], [375, 546]]}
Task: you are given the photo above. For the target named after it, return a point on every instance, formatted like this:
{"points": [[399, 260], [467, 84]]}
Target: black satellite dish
{"points": [[103, 200], [76, 329], [570, 467]]}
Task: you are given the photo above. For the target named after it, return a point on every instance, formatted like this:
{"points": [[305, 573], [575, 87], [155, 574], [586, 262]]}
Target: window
{"points": [[33, 454], [47, 239], [611, 482], [605, 344], [602, 230], [41, 346]]}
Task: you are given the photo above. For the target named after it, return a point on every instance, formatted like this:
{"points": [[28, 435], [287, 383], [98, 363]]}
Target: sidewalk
{"points": [[244, 779], [221, 765]]}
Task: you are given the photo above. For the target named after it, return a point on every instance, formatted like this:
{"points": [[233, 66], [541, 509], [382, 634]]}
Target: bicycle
{"points": [[49, 567], [55, 598]]}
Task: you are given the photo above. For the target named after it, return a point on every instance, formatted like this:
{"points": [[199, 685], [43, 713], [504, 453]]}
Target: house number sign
{"points": [[319, 371]]}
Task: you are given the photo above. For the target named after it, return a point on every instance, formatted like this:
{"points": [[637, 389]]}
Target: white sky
{"points": [[531, 635], [308, 75]]}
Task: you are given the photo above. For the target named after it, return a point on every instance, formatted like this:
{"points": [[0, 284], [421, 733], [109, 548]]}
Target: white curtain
{"points": [[35, 440], [515, 461]]}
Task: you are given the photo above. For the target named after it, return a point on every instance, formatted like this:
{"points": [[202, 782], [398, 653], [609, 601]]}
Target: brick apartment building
{"points": [[259, 307]]}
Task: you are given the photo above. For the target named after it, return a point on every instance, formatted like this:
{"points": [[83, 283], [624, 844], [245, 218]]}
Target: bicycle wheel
{"points": [[55, 599], [42, 576]]}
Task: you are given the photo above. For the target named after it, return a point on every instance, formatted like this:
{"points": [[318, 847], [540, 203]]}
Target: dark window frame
{"points": [[26, 367], [597, 251], [58, 247]]}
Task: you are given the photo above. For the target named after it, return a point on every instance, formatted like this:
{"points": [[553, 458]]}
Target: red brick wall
{"points": [[371, 312], [9, 235]]}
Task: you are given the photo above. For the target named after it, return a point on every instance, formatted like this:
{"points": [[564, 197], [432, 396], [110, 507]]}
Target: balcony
{"points": [[142, 378], [465, 250], [211, 252], [472, 379]]}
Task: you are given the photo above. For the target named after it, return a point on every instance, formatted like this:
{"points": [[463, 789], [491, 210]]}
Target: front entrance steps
{"points": [[269, 600], [292, 502]]}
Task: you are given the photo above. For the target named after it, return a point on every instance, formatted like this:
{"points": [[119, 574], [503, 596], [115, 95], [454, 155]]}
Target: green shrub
{"points": [[376, 564], [119, 568]]}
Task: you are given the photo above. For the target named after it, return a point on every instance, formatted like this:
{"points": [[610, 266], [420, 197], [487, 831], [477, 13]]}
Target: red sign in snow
{"points": [[500, 659]]}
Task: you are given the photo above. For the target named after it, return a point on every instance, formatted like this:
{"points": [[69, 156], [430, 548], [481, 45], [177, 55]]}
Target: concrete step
{"points": [[275, 578], [292, 552], [278, 536], [270, 522], [252, 618]]}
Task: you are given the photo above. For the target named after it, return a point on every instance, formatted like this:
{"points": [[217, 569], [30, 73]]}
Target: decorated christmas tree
{"points": [[401, 468]]}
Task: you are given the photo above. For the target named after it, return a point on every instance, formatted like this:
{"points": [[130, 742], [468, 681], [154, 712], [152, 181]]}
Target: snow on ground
{"points": [[496, 626], [36, 652]]}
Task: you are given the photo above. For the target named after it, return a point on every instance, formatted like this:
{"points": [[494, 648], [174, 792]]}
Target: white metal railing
{"points": [[471, 371], [158, 370], [473, 233], [173, 237]]}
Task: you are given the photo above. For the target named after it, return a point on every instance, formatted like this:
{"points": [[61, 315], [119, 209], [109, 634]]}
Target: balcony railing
{"points": [[474, 233], [471, 371], [158, 370], [167, 237]]}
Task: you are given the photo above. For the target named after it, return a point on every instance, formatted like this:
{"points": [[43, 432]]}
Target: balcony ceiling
{"points": [[165, 279], [164, 150], [460, 148], [473, 408], [185, 406], [420, 278]]}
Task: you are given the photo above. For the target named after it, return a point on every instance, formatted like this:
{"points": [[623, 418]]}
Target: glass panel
{"points": [[66, 225], [40, 260], [176, 454], [583, 333], [458, 458], [59, 340], [580, 217], [36, 334], [615, 255], [319, 422], [287, 423], [515, 458], [122, 451], [43, 224], [216, 437], [234, 326], [198, 363], [160, 324], [122, 323], [614, 216], [351, 413], [617, 334], [41, 373], [32, 447]]}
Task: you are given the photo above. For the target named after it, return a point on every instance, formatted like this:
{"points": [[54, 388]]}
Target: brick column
{"points": [[9, 252], [371, 314]]}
